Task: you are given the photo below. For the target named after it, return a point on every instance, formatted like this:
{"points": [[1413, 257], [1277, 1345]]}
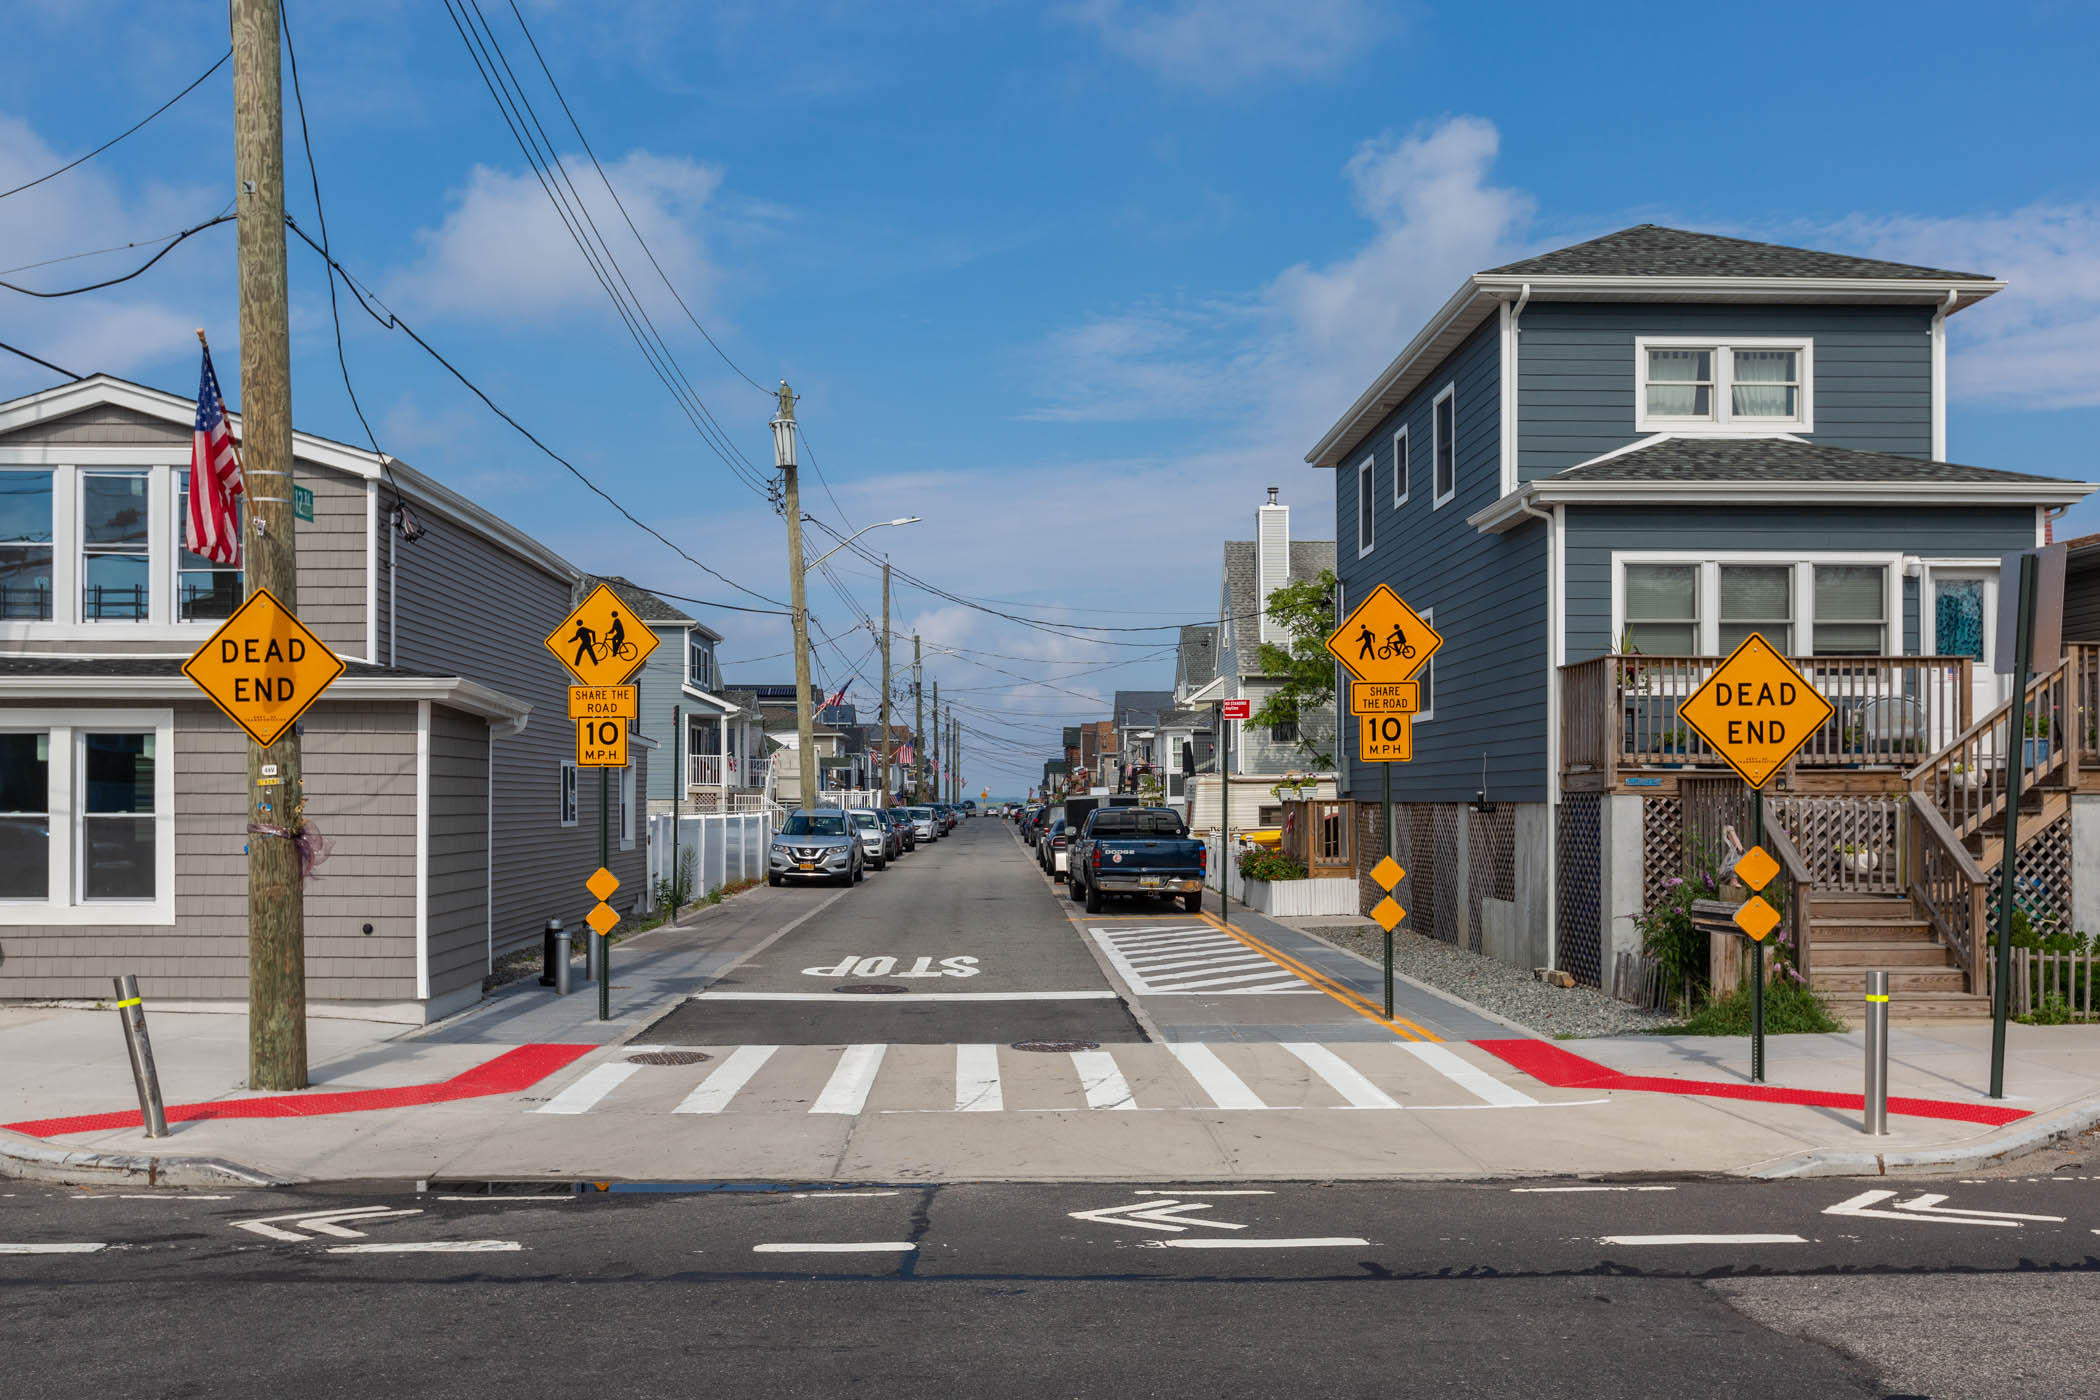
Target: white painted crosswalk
{"points": [[1193, 959], [854, 1080]]}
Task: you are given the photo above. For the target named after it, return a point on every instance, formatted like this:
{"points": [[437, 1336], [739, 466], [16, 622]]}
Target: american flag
{"points": [[213, 528], [904, 755]]}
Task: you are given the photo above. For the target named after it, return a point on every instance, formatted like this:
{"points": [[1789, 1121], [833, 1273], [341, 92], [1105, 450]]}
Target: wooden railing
{"points": [[2085, 697], [1890, 711], [1852, 843], [1795, 871], [1948, 886], [1970, 780]]}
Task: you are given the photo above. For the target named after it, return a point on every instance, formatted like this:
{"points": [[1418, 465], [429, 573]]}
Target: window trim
{"points": [[1723, 423], [567, 807], [1428, 615], [1438, 498], [67, 811], [627, 803], [1366, 506], [1403, 485], [54, 544], [1803, 565]]}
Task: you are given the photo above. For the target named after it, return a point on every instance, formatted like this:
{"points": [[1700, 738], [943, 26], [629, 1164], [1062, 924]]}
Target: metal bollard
{"points": [[133, 1013], [547, 973], [562, 972], [594, 956], [1877, 1116]]}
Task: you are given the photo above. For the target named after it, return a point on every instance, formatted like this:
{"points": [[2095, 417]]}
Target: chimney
{"points": [[1272, 559]]}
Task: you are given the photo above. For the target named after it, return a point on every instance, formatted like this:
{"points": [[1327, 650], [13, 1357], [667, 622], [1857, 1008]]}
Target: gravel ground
{"points": [[1506, 991]]}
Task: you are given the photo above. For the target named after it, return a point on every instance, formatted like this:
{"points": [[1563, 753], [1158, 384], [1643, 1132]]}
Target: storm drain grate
{"points": [[1056, 1047], [668, 1057], [869, 988]]}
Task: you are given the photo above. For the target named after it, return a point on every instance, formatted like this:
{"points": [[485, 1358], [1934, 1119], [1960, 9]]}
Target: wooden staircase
{"points": [[1855, 934]]}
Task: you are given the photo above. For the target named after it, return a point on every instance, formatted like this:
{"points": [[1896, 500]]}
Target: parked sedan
{"points": [[1050, 851], [899, 822], [925, 823], [878, 843], [815, 846]]}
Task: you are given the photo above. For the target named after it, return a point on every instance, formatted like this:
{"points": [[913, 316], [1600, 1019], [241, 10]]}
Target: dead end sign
{"points": [[263, 667], [1756, 710]]}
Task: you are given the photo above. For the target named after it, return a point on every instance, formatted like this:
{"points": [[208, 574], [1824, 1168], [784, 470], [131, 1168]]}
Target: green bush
{"points": [[1668, 936], [1261, 863], [1790, 1009]]}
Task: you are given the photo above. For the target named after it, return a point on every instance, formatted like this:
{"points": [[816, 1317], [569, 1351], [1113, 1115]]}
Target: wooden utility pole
{"points": [[918, 725], [937, 765], [269, 554], [805, 720], [884, 781]]}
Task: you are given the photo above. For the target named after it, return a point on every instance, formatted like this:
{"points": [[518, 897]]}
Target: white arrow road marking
{"points": [[1309, 1242], [1170, 1216], [66, 1248], [1928, 1207], [319, 1222], [429, 1247]]}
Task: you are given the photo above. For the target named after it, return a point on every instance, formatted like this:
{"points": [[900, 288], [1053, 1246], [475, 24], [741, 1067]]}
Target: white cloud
{"points": [[1217, 43], [503, 252]]}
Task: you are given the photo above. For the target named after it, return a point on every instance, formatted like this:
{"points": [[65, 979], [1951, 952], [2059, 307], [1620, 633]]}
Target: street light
{"points": [[900, 520]]}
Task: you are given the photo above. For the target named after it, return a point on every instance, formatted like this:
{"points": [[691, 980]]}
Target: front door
{"points": [[1962, 617]]}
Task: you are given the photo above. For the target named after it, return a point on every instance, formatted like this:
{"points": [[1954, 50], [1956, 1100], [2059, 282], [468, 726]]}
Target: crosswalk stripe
{"points": [[1477, 1082], [1210, 960], [1149, 946], [581, 1096], [732, 1074], [1226, 1089], [1269, 971], [1101, 1079], [1145, 940], [1341, 1076], [847, 1089], [977, 1079]]}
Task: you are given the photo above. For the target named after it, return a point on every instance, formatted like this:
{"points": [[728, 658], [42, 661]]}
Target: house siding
{"points": [[1488, 593], [660, 685], [1576, 380], [1595, 532], [457, 907]]}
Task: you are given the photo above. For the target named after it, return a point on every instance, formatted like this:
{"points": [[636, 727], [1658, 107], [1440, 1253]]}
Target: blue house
{"points": [[1595, 472]]}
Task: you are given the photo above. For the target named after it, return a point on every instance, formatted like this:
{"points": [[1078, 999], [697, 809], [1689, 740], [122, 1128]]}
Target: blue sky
{"points": [[1073, 282]]}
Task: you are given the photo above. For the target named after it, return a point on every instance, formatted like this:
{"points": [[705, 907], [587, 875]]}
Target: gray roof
{"points": [[1650, 250], [1778, 459], [1197, 663], [1139, 707], [646, 605], [1195, 717], [1308, 557], [171, 666]]}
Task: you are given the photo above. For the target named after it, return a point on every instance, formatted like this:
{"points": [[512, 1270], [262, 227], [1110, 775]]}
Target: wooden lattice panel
{"points": [[1491, 863], [1578, 917], [1662, 846], [2042, 875]]}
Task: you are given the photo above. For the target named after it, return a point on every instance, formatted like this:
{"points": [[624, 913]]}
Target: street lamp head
{"points": [[903, 520], [784, 429]]}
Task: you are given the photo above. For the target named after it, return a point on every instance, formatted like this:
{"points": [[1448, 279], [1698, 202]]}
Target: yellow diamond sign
{"points": [[263, 667], [1757, 918], [1757, 867], [602, 883], [1388, 913], [1383, 639], [1756, 710], [602, 641], [1388, 873], [603, 918]]}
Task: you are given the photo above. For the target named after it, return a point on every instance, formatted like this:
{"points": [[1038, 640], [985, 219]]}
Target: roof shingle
{"points": [[1650, 250], [1779, 460]]}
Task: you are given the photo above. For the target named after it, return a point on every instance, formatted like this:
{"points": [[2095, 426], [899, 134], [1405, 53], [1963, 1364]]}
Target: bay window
{"points": [[26, 538], [1738, 386]]}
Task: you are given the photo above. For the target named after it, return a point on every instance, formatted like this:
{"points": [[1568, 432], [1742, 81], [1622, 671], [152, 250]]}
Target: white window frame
{"points": [[1436, 446], [57, 546], [1709, 563], [1428, 615], [627, 808], [1723, 423], [63, 903], [693, 675], [1402, 485], [567, 808], [1366, 506]]}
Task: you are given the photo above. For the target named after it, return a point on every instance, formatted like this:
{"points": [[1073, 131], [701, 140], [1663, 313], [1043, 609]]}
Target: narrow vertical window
{"points": [[568, 793], [117, 856], [25, 546], [25, 815], [1366, 507], [1400, 468], [116, 547], [1444, 427]]}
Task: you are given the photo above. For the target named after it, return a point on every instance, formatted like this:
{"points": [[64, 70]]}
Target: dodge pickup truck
{"points": [[1135, 850]]}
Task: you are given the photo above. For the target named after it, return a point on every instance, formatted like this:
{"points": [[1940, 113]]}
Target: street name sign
{"points": [[1238, 709], [1383, 640], [263, 667], [1756, 710], [1391, 698], [1385, 738], [602, 641], [601, 743], [605, 702]]}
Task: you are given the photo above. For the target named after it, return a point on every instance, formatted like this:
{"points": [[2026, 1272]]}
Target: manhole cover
{"points": [[1056, 1047], [668, 1057], [869, 988]]}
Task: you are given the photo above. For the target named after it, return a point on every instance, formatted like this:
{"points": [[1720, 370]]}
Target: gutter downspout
{"points": [[1555, 644], [393, 577], [1939, 375]]}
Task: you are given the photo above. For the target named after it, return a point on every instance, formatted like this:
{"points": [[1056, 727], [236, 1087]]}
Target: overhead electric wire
{"points": [[199, 82], [175, 241], [39, 360]]}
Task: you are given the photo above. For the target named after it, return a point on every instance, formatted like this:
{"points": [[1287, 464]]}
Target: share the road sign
{"points": [[605, 702], [1383, 640], [263, 667], [602, 641], [1391, 698], [1756, 710]]}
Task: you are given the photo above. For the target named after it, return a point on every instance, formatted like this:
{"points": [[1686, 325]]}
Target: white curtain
{"points": [[1765, 385]]}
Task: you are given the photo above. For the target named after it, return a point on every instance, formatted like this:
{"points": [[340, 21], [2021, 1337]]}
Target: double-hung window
{"points": [[204, 591], [26, 538], [1662, 610], [1851, 610], [86, 817], [1712, 386], [1443, 419], [1689, 606], [1366, 507], [1757, 598], [116, 546]]}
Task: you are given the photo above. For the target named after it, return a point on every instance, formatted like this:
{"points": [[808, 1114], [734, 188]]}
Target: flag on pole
{"points": [[837, 700], [213, 528], [904, 755]]}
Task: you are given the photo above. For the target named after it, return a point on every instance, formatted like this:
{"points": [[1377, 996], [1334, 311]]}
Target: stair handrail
{"points": [[1933, 779], [1798, 884], [1948, 885]]}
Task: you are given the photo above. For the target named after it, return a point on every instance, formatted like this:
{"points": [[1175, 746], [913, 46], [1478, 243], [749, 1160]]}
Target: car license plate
{"points": [[1150, 882], [809, 865]]}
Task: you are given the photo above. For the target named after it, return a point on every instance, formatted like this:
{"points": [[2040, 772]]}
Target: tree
{"points": [[1305, 612]]}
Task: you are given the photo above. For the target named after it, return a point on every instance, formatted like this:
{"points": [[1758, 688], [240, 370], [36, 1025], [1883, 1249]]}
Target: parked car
{"points": [[1043, 817], [1050, 851], [969, 806], [1136, 851], [900, 822], [925, 823], [815, 846], [878, 842]]}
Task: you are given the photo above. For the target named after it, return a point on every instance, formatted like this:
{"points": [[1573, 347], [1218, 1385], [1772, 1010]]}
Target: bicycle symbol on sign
{"points": [[1370, 648], [615, 645]]}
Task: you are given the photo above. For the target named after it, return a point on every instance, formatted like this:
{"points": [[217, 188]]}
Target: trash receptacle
{"points": [[554, 955]]}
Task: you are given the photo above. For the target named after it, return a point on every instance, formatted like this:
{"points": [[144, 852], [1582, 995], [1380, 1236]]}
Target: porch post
{"points": [[722, 772]]}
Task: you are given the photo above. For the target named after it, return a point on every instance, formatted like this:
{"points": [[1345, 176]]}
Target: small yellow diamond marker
{"points": [[1388, 873], [602, 918], [602, 883], [1388, 914], [1757, 918], [1757, 867]]}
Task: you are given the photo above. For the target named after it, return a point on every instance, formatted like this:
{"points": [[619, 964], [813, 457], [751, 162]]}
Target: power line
{"points": [[174, 242], [127, 131], [39, 360]]}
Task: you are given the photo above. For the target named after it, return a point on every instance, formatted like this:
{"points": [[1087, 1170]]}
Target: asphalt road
{"points": [[1566, 1289]]}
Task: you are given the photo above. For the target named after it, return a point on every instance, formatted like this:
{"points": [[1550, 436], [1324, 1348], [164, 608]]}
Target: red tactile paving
{"points": [[1561, 1069], [508, 1073]]}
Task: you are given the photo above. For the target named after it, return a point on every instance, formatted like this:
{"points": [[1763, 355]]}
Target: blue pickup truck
{"points": [[1135, 851]]}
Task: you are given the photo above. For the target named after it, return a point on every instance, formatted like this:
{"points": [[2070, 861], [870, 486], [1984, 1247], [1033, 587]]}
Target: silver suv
{"points": [[815, 846]]}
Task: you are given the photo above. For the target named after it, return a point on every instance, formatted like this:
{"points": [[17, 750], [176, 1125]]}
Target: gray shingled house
{"points": [[439, 766], [1596, 471]]}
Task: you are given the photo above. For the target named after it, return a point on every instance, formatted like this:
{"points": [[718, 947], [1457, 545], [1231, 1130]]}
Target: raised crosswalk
{"points": [[851, 1080], [1193, 960]]}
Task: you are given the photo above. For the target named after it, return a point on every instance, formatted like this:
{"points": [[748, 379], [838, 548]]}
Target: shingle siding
{"points": [[457, 909]]}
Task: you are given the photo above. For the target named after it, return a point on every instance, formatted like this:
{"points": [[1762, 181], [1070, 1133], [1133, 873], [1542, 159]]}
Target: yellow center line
{"points": [[1398, 1025]]}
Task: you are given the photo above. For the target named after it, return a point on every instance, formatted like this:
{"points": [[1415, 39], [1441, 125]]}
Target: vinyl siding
{"points": [[661, 682], [1576, 382], [1488, 593], [457, 911], [105, 425]]}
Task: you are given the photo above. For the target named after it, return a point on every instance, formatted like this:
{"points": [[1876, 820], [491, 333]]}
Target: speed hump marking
{"points": [[1385, 738], [1383, 639], [1756, 710], [602, 641], [263, 667], [601, 743]]}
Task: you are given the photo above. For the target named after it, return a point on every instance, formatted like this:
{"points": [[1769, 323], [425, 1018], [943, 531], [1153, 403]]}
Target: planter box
{"points": [[1298, 899]]}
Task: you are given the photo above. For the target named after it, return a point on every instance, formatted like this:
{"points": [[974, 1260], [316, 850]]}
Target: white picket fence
{"points": [[722, 846]]}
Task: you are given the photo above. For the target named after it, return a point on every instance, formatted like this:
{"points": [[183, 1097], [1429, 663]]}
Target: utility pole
{"points": [[918, 727], [269, 558], [805, 720], [937, 765], [884, 780]]}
